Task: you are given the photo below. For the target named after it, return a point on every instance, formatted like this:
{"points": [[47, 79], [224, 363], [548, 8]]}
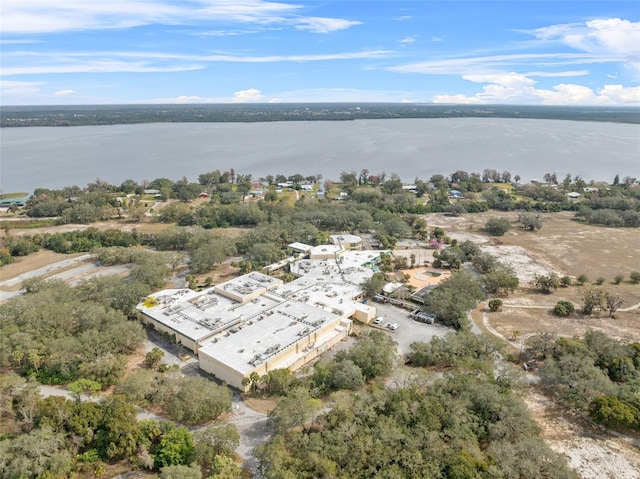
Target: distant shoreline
{"points": [[96, 115]]}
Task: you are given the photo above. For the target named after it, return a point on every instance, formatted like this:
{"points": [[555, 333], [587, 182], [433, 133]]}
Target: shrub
{"points": [[618, 278], [547, 283], [563, 308], [495, 305], [582, 279], [565, 281], [610, 411], [600, 281], [635, 277], [497, 226]]}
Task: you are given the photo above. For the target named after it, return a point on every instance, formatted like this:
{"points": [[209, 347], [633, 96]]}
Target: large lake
{"points": [[53, 157]]}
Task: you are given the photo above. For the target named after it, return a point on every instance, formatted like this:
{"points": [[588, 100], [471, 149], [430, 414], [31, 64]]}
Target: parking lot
{"points": [[408, 331]]}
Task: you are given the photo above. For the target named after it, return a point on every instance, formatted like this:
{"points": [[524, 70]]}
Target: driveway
{"points": [[409, 330]]}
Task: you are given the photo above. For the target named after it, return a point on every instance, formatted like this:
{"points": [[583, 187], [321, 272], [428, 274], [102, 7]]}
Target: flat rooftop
{"points": [[256, 341], [248, 285], [345, 239], [197, 315]]}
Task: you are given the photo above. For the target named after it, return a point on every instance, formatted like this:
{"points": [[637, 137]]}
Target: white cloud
{"points": [[146, 62], [436, 39], [189, 99], [604, 35], [45, 16], [18, 88], [568, 94], [64, 92], [408, 40], [247, 96], [568, 73], [324, 25], [515, 88], [598, 41], [618, 94], [96, 66], [613, 37], [497, 64], [508, 80]]}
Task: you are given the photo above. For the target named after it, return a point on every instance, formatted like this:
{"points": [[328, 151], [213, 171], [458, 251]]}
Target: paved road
{"points": [[252, 428]]}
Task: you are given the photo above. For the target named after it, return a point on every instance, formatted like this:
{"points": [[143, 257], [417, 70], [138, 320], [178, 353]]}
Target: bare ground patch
{"points": [[590, 451]]}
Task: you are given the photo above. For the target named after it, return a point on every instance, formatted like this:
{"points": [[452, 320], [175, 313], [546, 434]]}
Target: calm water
{"points": [[56, 157]]}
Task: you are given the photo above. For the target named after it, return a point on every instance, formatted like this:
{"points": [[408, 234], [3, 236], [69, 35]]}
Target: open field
{"points": [[568, 248]]}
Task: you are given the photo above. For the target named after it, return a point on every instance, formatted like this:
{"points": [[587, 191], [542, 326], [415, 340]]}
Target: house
{"points": [[574, 195]]}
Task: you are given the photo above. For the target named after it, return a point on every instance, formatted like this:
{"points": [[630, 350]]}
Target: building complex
{"points": [[255, 323]]}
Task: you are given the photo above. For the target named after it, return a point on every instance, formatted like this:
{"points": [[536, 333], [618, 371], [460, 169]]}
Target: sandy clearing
{"points": [[591, 452], [44, 271]]}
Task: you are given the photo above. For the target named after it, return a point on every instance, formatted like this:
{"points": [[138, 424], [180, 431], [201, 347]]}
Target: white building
{"points": [[255, 323]]}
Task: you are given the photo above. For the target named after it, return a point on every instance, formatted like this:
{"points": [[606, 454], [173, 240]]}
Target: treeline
{"points": [[58, 333], [460, 192], [465, 424], [596, 374], [116, 115], [55, 437], [274, 225]]}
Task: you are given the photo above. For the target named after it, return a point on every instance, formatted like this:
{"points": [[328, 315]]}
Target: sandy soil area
{"points": [[591, 452]]}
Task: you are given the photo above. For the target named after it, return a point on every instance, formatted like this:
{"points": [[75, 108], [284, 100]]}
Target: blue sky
{"points": [[230, 51]]}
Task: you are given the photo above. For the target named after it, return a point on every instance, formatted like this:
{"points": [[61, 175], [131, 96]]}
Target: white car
{"points": [[393, 326], [378, 320]]}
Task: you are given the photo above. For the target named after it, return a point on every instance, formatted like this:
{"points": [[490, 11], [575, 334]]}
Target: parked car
{"points": [[393, 326], [378, 320]]}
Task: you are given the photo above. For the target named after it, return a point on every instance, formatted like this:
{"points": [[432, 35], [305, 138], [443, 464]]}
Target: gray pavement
{"points": [[409, 331]]}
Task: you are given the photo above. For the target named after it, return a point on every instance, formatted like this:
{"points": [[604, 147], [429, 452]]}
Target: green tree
{"points": [[453, 298], [181, 472], [373, 353], [497, 226], [578, 380], [563, 308], [40, 453], [612, 412], [530, 221], [495, 305], [153, 358], [84, 387], [292, 410], [175, 448], [593, 300], [582, 279], [224, 467], [118, 432], [502, 281], [373, 285], [198, 400], [547, 283], [213, 443], [277, 381]]}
